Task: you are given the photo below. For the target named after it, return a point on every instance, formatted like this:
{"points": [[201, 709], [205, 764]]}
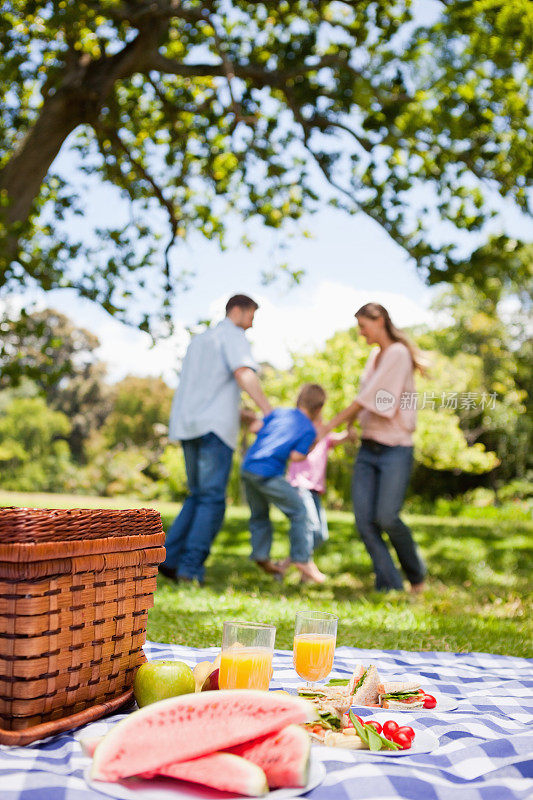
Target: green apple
{"points": [[157, 680]]}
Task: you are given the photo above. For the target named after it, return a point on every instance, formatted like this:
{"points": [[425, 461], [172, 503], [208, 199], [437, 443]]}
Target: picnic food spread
{"points": [[225, 729], [482, 750], [257, 741]]}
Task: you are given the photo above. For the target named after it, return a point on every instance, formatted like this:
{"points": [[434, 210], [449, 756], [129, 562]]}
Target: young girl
{"points": [[309, 477]]}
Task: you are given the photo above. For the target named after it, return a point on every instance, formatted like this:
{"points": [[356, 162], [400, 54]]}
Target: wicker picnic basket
{"points": [[75, 589]]}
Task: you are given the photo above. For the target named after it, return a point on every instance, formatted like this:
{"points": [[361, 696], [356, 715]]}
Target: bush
{"points": [[33, 453], [172, 472], [516, 490]]}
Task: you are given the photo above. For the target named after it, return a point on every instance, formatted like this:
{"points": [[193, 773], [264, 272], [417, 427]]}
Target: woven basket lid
{"points": [[33, 525]]}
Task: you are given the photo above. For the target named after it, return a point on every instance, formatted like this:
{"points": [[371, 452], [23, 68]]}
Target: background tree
{"points": [[34, 455], [492, 326], [86, 400], [200, 107], [141, 409], [127, 451], [47, 348], [44, 346]]}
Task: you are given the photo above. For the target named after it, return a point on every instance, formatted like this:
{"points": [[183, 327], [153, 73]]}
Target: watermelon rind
{"points": [[223, 771], [89, 744], [284, 756], [185, 727]]}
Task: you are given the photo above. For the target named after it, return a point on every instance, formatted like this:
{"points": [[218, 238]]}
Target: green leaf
{"points": [[386, 743], [361, 730], [374, 739]]}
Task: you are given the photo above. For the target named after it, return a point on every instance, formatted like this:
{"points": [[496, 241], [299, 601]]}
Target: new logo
{"points": [[384, 400]]}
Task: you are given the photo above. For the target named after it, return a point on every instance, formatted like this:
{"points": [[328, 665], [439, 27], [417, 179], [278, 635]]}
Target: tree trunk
{"points": [[23, 175]]}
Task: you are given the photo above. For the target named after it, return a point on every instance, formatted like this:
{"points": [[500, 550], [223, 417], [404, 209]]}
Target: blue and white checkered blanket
{"points": [[485, 747]]}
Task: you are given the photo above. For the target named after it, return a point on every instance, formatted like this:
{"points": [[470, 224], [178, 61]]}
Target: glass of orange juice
{"points": [[315, 635], [246, 657]]}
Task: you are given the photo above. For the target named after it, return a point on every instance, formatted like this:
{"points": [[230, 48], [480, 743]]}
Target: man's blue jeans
{"points": [[380, 479], [189, 538], [260, 492]]}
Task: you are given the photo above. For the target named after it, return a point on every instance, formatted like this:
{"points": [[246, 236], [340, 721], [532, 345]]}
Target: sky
{"points": [[348, 261]]}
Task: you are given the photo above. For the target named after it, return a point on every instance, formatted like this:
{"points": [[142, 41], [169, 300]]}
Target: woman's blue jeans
{"points": [[189, 538], [379, 483]]}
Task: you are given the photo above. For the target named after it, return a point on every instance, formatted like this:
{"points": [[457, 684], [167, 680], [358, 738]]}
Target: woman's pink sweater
{"points": [[387, 394]]}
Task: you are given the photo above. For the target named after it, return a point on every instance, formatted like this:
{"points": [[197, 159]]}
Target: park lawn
{"points": [[477, 598]]}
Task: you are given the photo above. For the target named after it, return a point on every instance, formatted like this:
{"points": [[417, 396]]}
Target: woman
{"points": [[384, 408]]}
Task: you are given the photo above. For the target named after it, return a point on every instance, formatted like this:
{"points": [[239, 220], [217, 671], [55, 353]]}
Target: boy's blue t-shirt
{"points": [[284, 430]]}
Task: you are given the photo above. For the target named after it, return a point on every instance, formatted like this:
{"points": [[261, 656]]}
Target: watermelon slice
{"points": [[283, 756], [223, 771], [192, 725]]}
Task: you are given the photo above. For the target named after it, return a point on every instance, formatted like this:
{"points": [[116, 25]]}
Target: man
{"points": [[205, 417]]}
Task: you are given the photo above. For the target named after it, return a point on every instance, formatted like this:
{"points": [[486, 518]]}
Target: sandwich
{"points": [[364, 686], [331, 716], [331, 696], [401, 695]]}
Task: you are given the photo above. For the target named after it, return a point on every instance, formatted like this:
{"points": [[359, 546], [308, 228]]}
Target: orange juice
{"points": [[313, 655], [245, 668]]}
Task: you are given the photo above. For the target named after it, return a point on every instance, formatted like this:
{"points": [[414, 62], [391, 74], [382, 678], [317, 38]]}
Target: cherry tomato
{"points": [[389, 728], [402, 739], [349, 723], [429, 701], [374, 724], [407, 730]]}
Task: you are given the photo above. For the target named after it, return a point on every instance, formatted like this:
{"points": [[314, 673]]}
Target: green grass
{"points": [[478, 597]]}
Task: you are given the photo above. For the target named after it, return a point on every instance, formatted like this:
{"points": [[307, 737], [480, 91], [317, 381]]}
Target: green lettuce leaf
{"points": [[338, 682]]}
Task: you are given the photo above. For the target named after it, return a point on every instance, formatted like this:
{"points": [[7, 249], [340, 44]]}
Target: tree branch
{"points": [[321, 122], [155, 62], [141, 170], [384, 223], [137, 13]]}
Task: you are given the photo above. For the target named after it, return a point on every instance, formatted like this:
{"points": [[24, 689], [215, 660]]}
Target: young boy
{"points": [[309, 477], [286, 434]]}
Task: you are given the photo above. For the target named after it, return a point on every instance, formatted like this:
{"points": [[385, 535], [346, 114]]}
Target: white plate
{"points": [[424, 742], [170, 789], [444, 703]]}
